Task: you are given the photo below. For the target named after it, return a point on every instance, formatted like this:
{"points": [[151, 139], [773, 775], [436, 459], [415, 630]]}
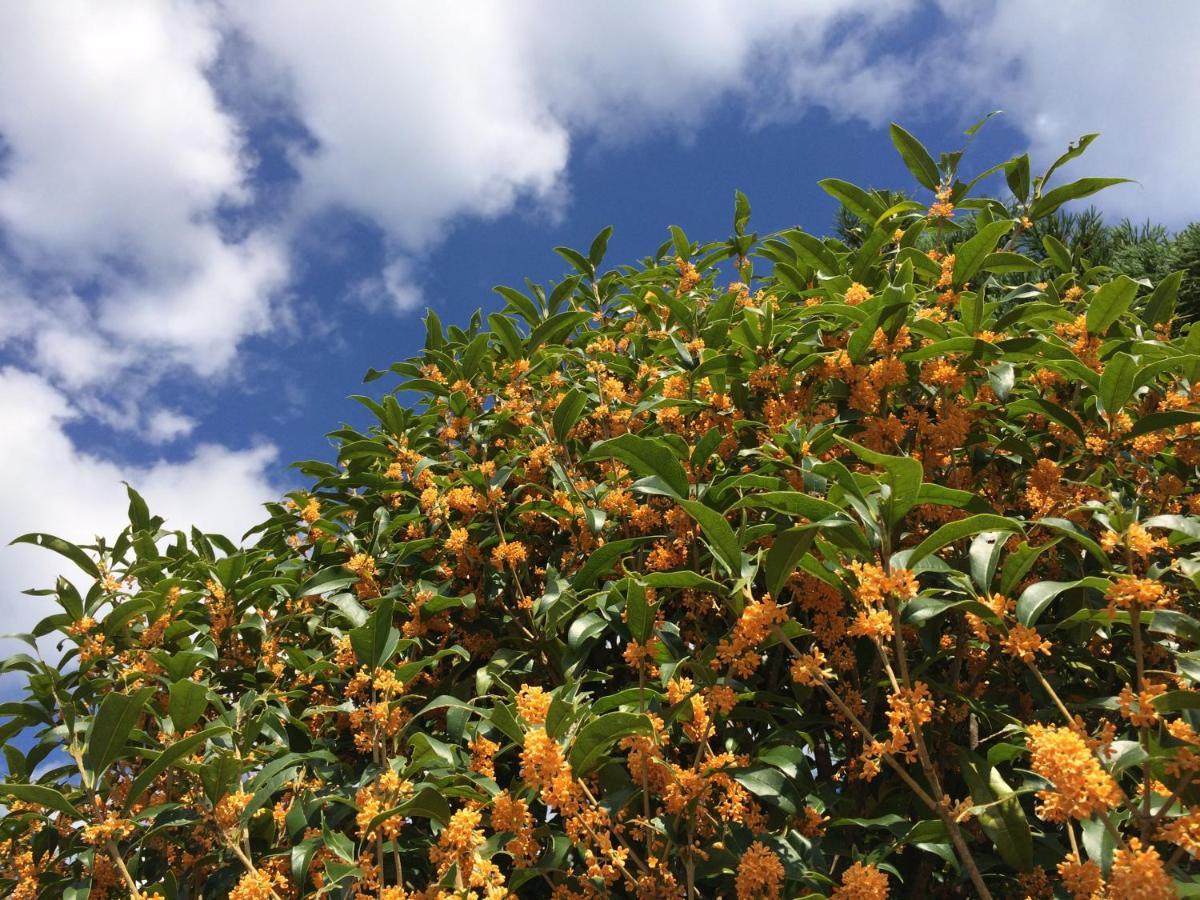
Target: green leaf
{"points": [[139, 513], [1058, 254], [164, 760], [1003, 263], [555, 329], [970, 255], [1084, 187], [1109, 303], [1001, 818], [594, 738], [741, 213], [376, 641], [791, 503], [683, 247], [852, 197], [109, 730], [1051, 411], [510, 338], [326, 581], [1116, 382], [1161, 305], [904, 477], [954, 531], [767, 783], [813, 252], [567, 413], [427, 804], [577, 260], [1073, 151], [1016, 173], [187, 702], [638, 615], [599, 246], [601, 560], [916, 157], [43, 796], [719, 534], [1035, 598], [66, 548], [1160, 420], [785, 554], [645, 456]]}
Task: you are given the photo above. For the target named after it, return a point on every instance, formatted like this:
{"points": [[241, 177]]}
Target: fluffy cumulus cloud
{"points": [[1059, 70], [420, 113], [54, 486], [123, 167], [138, 238], [119, 164]]}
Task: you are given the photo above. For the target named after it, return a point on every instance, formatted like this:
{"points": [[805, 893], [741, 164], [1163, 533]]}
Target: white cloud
{"points": [[1060, 70], [52, 485], [120, 160], [166, 425], [422, 113]]}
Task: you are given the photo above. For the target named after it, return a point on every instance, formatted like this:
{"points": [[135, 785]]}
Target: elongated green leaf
{"points": [[1116, 382], [1005, 263], [376, 641], [509, 337], [601, 560], [1057, 253], [916, 157], [326, 581], [1084, 187], [813, 252], [645, 456], [1035, 598], [1161, 420], [569, 409], [904, 477], [852, 197], [187, 702], [109, 730], [1001, 816], [599, 246], [597, 736], [785, 554], [48, 797], [954, 531], [1016, 173], [792, 503], [1161, 305], [718, 532], [971, 254], [66, 548], [167, 758], [1109, 303], [1051, 411]]}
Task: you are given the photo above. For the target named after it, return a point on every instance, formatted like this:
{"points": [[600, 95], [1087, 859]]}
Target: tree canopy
{"points": [[778, 566]]}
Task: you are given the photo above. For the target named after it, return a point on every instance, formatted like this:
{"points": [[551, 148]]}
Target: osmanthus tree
{"points": [[871, 573]]}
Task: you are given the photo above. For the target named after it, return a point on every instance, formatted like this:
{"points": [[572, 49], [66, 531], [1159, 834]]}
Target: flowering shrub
{"points": [[873, 571]]}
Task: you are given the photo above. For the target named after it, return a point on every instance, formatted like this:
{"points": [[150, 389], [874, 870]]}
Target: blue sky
{"points": [[215, 217]]}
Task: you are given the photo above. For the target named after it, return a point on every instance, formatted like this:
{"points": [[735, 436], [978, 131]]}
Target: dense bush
{"points": [[872, 571]]}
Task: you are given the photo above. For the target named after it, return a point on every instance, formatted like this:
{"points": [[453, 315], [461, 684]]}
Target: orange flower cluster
{"points": [[1082, 788], [760, 874], [1024, 643], [862, 882], [740, 652]]}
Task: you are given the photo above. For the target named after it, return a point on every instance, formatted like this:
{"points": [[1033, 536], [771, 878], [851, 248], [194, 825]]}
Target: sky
{"points": [[215, 217]]}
